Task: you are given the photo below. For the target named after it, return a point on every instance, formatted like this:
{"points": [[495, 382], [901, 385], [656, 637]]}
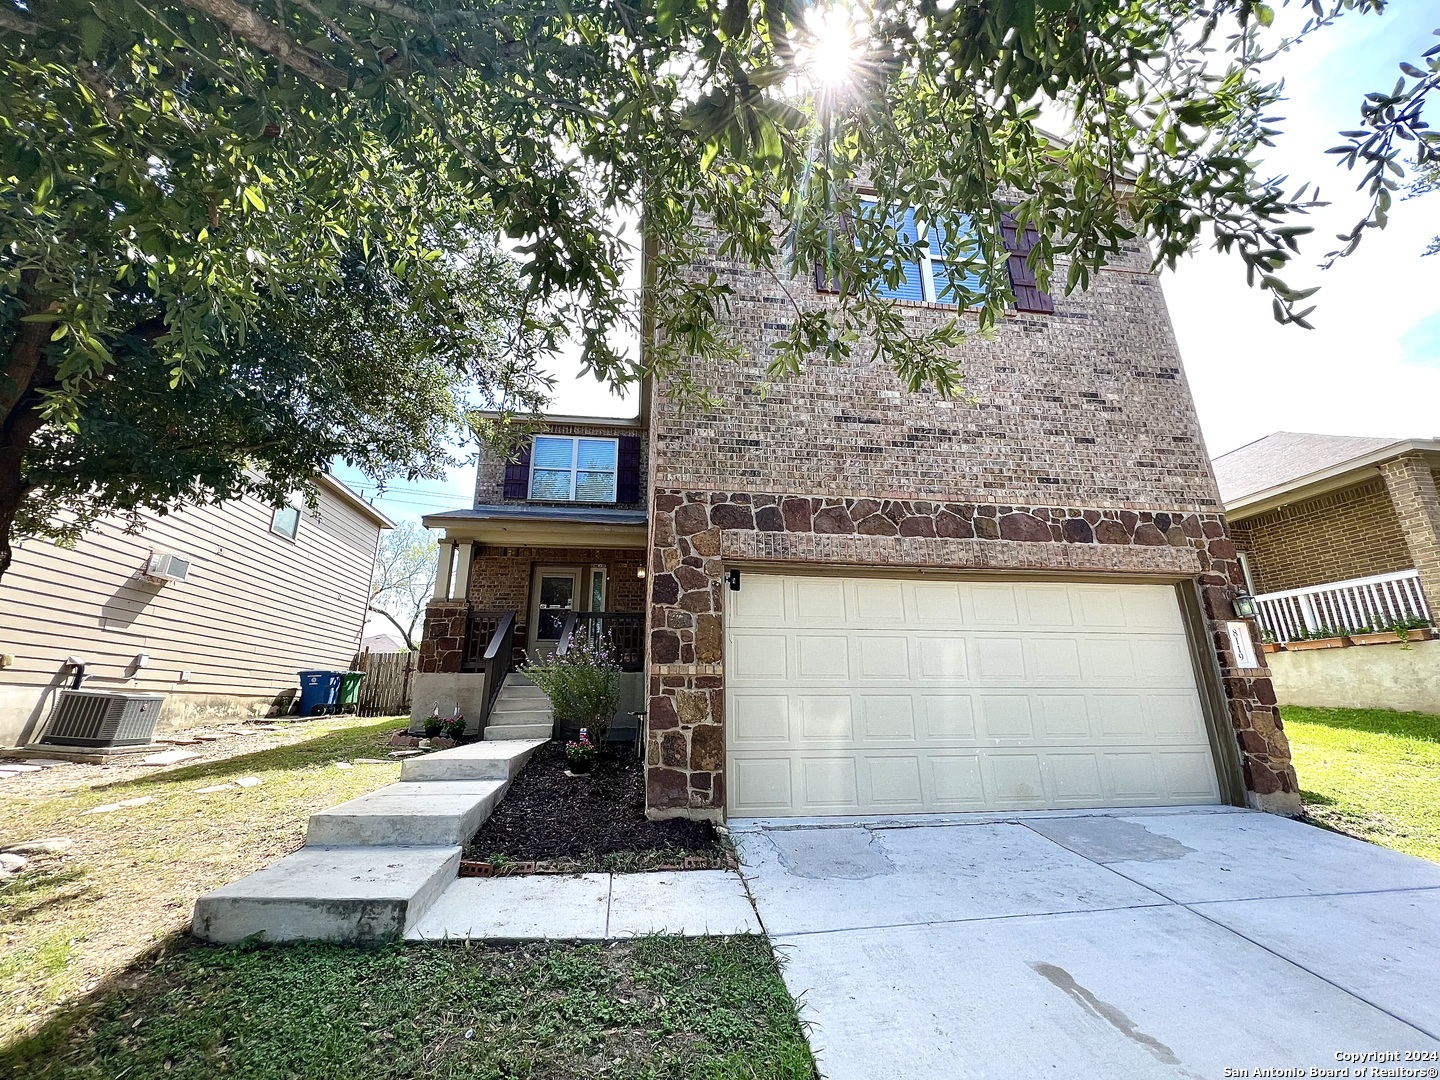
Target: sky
{"points": [[1371, 366]]}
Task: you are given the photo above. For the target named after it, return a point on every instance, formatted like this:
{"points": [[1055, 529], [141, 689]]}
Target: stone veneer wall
{"points": [[500, 581], [694, 534], [1343, 534]]}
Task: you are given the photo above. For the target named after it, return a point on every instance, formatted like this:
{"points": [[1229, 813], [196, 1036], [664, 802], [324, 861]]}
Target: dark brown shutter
{"points": [[517, 474], [1028, 294], [843, 233], [627, 480]]}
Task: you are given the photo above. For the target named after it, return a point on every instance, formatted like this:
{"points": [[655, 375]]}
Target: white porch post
{"points": [[462, 569], [442, 571]]}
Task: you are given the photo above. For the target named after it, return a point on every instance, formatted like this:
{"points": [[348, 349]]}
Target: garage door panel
{"points": [[947, 717], [821, 656], [760, 720], [1063, 716], [933, 603], [829, 784], [894, 784], [826, 718], [954, 695], [1047, 605], [884, 657], [761, 785], [819, 602], [994, 605], [890, 716], [999, 659], [756, 657], [943, 657]]}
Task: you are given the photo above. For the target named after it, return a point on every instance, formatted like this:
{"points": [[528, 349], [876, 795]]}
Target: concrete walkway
{"points": [[589, 907], [1094, 945]]}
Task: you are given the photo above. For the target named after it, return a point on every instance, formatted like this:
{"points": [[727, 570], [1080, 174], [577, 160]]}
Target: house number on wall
{"points": [[1242, 644]]}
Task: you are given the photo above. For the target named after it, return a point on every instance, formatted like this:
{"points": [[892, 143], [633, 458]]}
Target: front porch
{"points": [[516, 585]]}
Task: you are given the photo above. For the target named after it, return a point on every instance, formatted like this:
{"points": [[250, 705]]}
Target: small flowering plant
{"points": [[581, 753], [583, 684]]}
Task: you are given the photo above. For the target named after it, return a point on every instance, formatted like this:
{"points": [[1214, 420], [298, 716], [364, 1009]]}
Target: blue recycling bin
{"points": [[317, 691]]}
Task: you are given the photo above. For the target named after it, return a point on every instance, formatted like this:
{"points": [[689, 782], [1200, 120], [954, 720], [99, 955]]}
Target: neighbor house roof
{"points": [[1273, 469], [351, 498]]}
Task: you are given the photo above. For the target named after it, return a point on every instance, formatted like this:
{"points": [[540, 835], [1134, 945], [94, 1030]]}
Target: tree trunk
{"points": [[20, 414]]}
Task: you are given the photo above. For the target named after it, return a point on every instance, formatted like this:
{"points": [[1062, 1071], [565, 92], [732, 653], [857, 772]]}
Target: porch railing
{"points": [[489, 650], [624, 630], [1351, 606]]}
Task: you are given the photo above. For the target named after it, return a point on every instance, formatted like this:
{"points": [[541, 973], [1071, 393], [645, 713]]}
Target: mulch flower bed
{"points": [[553, 822]]}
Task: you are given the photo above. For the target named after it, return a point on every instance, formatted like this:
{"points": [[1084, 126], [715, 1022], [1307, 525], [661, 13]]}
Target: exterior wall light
{"points": [[640, 572], [1245, 606]]}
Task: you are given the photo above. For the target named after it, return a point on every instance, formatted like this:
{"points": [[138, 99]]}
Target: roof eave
{"points": [[1332, 477]]}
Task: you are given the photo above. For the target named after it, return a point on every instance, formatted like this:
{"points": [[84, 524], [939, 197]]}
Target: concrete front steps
{"points": [[522, 711], [373, 866]]}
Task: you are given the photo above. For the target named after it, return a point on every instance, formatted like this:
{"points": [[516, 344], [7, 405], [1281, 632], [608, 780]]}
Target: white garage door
{"points": [[859, 695]]}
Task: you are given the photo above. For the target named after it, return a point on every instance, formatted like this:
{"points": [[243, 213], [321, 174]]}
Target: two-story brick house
{"points": [[862, 600]]}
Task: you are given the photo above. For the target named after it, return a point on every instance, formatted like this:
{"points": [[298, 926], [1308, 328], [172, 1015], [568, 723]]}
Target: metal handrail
{"points": [[499, 660], [632, 656]]}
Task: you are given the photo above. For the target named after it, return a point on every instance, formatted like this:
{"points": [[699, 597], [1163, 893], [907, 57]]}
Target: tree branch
{"points": [[11, 20], [409, 643], [264, 35]]}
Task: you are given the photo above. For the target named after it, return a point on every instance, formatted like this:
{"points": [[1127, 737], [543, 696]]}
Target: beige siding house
{"points": [[269, 592]]}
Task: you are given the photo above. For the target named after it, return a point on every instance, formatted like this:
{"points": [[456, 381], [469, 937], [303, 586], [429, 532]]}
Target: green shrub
{"points": [[583, 684]]}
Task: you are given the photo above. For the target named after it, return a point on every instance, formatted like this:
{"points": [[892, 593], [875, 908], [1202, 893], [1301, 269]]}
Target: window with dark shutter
{"points": [[1028, 294], [842, 233], [627, 489], [517, 474]]}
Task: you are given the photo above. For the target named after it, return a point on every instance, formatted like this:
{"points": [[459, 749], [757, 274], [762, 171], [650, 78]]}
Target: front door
{"points": [[552, 597]]}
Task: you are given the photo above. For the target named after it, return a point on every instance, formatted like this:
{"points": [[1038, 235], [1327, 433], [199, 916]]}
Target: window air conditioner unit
{"points": [[164, 566]]}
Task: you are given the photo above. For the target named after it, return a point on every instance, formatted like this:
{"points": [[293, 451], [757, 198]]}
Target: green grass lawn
{"points": [[704, 1008], [68, 922], [1372, 773]]}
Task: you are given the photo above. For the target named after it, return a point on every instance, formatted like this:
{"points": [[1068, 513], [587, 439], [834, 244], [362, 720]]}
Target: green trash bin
{"points": [[349, 696]]}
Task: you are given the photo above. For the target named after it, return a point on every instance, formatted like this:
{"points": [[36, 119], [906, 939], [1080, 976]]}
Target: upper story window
{"points": [[574, 469], [285, 521], [931, 278]]}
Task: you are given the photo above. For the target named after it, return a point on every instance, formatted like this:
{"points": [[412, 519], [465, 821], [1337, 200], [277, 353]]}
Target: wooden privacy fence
{"points": [[389, 677]]}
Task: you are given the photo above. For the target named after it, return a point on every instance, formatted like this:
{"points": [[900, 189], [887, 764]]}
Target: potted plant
{"points": [[433, 724], [1324, 637], [1268, 642], [583, 685], [580, 754]]}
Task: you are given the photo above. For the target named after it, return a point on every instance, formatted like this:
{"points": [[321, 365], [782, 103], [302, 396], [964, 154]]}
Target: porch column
{"points": [[462, 569], [1417, 504], [442, 571]]}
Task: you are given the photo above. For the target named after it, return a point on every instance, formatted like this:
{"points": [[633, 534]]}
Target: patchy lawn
{"points": [[702, 1008], [594, 823], [1372, 773], [132, 876]]}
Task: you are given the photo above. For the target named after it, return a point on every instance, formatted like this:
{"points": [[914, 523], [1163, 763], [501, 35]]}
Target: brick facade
{"points": [[1412, 488], [1343, 534], [1077, 451]]}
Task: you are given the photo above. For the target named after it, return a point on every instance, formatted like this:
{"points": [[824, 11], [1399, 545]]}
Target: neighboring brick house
{"points": [[862, 600], [1335, 531]]}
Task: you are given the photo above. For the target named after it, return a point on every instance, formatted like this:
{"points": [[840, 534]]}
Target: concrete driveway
{"points": [[1125, 944]]}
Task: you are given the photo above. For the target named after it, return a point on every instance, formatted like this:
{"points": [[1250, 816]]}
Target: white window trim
{"points": [[574, 470], [275, 512]]}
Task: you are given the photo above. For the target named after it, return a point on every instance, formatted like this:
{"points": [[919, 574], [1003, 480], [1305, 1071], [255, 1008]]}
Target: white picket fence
{"points": [[1350, 605]]}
